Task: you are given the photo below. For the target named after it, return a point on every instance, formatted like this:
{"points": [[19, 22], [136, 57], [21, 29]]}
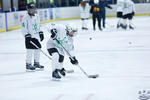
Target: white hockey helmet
{"points": [[71, 30], [96, 1]]}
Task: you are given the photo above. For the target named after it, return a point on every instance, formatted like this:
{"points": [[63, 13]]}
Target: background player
{"points": [[128, 13], [119, 13], [32, 33], [84, 13]]}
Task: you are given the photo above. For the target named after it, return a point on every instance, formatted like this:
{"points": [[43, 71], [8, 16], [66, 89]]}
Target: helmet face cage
{"points": [[69, 30], [31, 6], [31, 9]]}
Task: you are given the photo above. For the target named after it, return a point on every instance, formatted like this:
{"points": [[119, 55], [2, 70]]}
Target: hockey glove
{"points": [[41, 35], [36, 42], [133, 13], [54, 34], [28, 39], [74, 61]]}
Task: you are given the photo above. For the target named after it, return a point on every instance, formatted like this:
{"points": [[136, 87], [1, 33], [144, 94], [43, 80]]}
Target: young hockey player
{"points": [[103, 4], [119, 13], [60, 35], [84, 12], [128, 13], [33, 35], [95, 11]]}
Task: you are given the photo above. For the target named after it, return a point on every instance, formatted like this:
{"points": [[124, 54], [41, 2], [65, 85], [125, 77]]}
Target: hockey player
{"points": [[128, 13], [103, 4], [119, 12], [84, 13], [33, 34], [95, 11], [60, 34]]}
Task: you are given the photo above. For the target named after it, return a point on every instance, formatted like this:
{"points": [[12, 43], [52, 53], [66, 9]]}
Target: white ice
{"points": [[120, 57]]}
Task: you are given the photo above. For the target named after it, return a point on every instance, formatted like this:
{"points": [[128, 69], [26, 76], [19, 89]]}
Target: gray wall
{"points": [[15, 2], [6, 5]]}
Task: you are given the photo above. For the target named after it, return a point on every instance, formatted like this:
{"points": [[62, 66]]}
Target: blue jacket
{"points": [[102, 5]]}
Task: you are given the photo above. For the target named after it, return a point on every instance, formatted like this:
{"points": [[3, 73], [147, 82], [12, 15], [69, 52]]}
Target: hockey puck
{"points": [[130, 42], [90, 38]]}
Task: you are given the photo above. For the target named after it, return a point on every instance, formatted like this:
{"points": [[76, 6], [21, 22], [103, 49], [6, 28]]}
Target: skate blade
{"points": [[28, 70], [94, 76], [70, 71], [56, 79], [39, 69]]}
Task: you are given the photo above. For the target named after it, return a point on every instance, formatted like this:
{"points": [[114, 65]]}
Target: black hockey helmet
{"points": [[31, 5], [31, 9]]}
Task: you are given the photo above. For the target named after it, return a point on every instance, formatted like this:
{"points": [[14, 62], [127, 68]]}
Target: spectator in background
{"points": [[72, 3], [84, 13], [22, 5], [95, 11], [147, 0], [102, 5], [91, 2], [52, 3]]}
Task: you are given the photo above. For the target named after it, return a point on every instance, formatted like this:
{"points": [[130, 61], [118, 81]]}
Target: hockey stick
{"points": [[68, 71], [40, 50], [89, 76]]}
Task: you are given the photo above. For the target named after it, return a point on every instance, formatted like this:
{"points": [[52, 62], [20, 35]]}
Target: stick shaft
{"points": [[40, 50], [72, 58]]}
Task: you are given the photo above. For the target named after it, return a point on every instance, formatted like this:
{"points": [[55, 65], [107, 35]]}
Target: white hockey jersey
{"points": [[128, 7], [31, 25], [63, 38], [120, 6], [84, 11]]}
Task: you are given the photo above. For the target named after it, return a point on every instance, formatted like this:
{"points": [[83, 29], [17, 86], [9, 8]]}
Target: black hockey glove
{"points": [[73, 60], [41, 35], [28, 39], [54, 34], [133, 13]]}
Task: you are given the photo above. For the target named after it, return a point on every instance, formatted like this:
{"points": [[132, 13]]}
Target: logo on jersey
{"points": [[144, 95]]}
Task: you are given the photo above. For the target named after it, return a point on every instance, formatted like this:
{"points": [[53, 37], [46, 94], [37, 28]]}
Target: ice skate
{"points": [[124, 27], [118, 25], [37, 65], [100, 29], [131, 27], [62, 72], [29, 67], [84, 28], [55, 74]]}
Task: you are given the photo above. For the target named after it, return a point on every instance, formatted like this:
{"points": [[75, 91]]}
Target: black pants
{"points": [[119, 14], [94, 17], [103, 19], [54, 50], [29, 45], [128, 16]]}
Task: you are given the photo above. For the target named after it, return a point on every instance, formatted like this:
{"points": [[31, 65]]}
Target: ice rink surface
{"points": [[120, 57]]}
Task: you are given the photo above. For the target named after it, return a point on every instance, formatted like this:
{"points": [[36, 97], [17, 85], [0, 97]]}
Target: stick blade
{"points": [[70, 71], [93, 76]]}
